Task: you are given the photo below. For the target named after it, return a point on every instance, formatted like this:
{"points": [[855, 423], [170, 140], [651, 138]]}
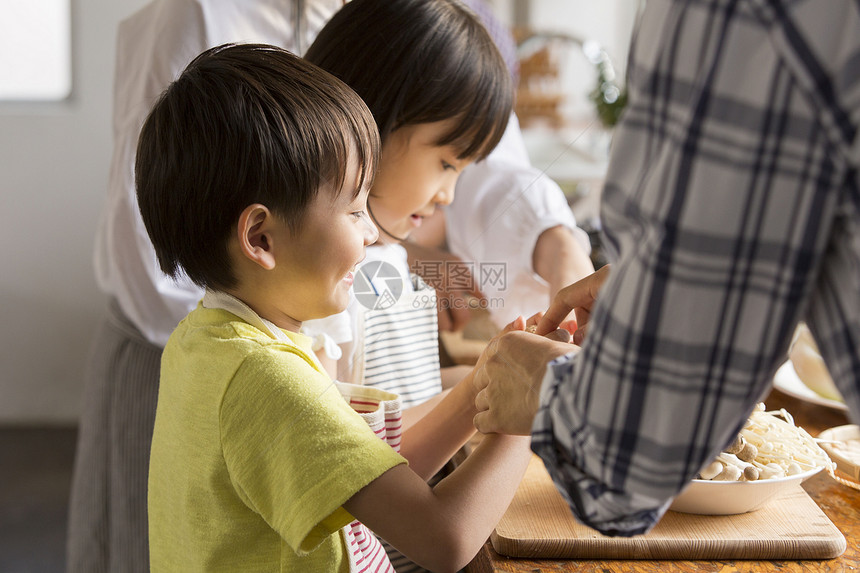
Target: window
{"points": [[35, 50]]}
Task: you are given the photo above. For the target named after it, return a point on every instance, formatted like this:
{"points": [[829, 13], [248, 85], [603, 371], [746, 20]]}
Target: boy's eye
{"points": [[447, 166]]}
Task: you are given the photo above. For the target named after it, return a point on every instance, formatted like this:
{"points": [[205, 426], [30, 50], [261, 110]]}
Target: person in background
{"points": [[732, 205], [107, 529], [510, 224], [509, 237]]}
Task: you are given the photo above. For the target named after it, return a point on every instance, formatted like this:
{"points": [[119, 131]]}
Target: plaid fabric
{"points": [[731, 206]]}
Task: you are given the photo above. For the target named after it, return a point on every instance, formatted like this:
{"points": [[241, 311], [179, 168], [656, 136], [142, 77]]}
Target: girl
{"points": [[441, 96]]}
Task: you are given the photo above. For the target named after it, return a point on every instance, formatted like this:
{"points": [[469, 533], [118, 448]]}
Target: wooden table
{"points": [[840, 503]]}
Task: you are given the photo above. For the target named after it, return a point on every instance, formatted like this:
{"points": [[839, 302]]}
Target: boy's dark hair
{"points": [[243, 124], [420, 61]]}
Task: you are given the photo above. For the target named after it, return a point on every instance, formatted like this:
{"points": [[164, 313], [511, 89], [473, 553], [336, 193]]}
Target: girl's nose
{"points": [[445, 194], [371, 233]]}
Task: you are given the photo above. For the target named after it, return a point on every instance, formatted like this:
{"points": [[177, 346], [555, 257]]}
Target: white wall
{"points": [[53, 171], [607, 22]]}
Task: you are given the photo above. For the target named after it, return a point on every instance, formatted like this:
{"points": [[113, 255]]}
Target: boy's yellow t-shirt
{"points": [[253, 454]]}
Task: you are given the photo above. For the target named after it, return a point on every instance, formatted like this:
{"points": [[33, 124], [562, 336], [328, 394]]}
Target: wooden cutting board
{"points": [[539, 524]]}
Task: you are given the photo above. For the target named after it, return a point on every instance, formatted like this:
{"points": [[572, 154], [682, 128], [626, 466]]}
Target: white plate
{"points": [[706, 497], [786, 381]]}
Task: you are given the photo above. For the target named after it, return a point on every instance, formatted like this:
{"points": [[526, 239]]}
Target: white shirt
{"points": [[501, 207], [396, 336], [153, 47]]}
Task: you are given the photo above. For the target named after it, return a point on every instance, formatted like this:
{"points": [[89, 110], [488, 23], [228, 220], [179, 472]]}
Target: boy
{"points": [[253, 171]]}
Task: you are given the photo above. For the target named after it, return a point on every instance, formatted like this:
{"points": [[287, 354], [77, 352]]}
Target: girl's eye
{"points": [[358, 214]]}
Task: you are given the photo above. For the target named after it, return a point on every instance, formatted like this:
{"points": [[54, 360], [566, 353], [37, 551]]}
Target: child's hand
{"points": [[519, 323], [507, 395], [508, 378], [561, 334]]}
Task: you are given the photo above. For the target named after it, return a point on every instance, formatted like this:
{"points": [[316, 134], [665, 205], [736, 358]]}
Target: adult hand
{"points": [[578, 297], [508, 378], [560, 260]]}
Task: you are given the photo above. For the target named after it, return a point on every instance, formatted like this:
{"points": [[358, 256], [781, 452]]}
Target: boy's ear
{"points": [[255, 235]]}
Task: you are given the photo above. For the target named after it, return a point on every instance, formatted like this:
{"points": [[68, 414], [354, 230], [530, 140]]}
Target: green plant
{"points": [[608, 97]]}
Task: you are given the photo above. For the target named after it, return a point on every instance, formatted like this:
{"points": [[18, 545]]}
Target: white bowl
{"points": [[845, 463], [707, 497]]}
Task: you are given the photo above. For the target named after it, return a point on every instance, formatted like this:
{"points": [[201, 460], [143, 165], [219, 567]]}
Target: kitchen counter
{"points": [[840, 503]]}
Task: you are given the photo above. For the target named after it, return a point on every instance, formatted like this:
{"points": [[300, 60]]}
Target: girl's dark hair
{"points": [[420, 61], [243, 124]]}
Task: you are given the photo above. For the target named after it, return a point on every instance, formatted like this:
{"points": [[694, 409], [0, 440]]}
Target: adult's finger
{"points": [[580, 294]]}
